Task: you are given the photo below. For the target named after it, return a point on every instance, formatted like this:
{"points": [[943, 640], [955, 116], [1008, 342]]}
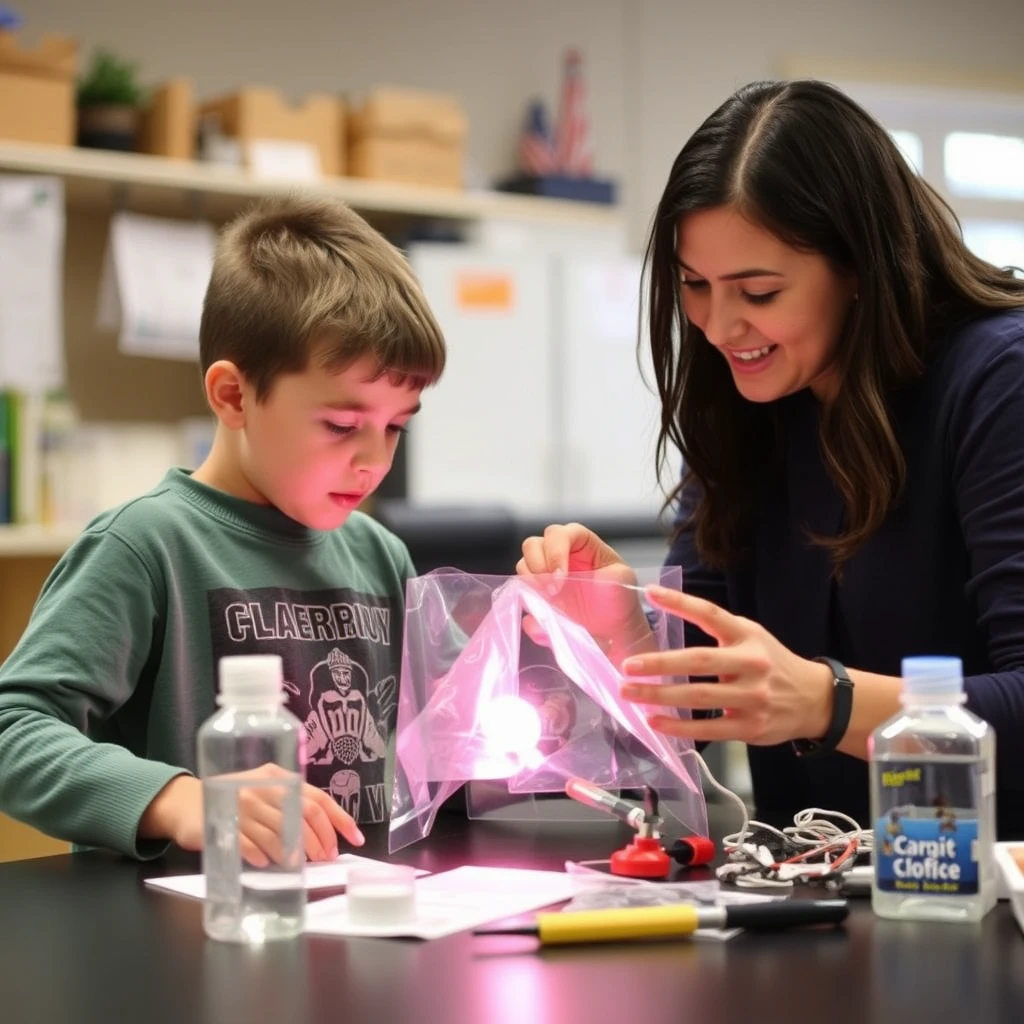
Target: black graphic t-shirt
{"points": [[339, 668]]}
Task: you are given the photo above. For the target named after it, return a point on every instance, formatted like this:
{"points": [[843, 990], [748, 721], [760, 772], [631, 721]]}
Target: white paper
{"points": [[153, 282], [452, 901], [31, 269], [330, 875]]}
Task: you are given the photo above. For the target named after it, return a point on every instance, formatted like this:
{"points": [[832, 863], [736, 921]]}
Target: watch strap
{"points": [[842, 706]]}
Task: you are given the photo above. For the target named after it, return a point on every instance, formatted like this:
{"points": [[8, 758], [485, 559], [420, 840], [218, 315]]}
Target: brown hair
{"points": [[296, 278], [806, 163]]}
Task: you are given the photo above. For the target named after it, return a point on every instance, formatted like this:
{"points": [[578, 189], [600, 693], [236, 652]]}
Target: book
{"points": [[5, 458]]}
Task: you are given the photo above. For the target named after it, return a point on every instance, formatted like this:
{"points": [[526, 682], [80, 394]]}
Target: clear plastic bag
{"points": [[517, 712]]}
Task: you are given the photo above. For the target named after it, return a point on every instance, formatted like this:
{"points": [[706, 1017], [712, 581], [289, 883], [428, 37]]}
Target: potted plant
{"points": [[109, 103]]}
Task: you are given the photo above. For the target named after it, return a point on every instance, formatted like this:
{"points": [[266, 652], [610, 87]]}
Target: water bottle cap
{"points": [[932, 676], [251, 679]]}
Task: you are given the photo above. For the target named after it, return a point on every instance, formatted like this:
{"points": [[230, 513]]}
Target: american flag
{"points": [[573, 154], [536, 152]]}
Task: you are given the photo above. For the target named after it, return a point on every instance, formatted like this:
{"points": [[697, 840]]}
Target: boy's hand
{"points": [[612, 614], [176, 813]]}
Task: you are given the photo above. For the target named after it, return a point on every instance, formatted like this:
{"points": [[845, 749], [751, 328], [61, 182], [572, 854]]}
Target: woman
{"points": [[845, 382]]}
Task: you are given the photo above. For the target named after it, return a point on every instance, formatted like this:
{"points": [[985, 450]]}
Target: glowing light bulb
{"points": [[512, 729]]}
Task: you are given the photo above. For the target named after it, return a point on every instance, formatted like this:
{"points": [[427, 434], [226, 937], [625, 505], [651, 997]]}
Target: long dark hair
{"points": [[803, 161]]}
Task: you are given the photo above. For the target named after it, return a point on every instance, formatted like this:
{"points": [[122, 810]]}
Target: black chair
{"points": [[487, 539], [481, 539]]}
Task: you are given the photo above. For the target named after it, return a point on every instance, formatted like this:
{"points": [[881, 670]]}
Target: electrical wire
{"points": [[828, 849]]}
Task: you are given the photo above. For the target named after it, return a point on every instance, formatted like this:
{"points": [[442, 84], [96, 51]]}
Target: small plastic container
{"points": [[1010, 883], [252, 730], [383, 894], [933, 785]]}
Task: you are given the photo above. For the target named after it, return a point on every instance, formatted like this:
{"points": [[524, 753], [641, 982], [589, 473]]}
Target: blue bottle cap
{"points": [[932, 676]]}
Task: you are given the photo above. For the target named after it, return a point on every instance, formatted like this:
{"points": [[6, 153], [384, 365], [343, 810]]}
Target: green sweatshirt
{"points": [[101, 700]]}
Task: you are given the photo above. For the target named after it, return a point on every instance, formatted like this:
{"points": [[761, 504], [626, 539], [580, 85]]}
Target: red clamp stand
{"points": [[645, 857]]}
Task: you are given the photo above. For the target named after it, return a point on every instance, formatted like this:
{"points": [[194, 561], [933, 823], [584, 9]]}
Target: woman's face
{"points": [[773, 312]]}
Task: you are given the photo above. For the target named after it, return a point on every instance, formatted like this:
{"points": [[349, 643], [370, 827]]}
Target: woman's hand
{"points": [[605, 602], [767, 693]]}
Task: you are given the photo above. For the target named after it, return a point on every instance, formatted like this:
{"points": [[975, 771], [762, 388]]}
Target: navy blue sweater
{"points": [[943, 575]]}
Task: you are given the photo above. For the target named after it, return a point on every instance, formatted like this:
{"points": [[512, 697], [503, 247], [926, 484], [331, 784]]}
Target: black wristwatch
{"points": [[842, 705]]}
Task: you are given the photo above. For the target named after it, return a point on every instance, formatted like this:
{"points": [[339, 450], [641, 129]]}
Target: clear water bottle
{"points": [[250, 756], [933, 801]]}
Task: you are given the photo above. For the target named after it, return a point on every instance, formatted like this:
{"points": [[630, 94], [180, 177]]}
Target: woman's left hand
{"points": [[768, 694]]}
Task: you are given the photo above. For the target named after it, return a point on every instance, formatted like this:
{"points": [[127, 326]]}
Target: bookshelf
{"points": [[107, 385], [35, 541], [101, 179]]}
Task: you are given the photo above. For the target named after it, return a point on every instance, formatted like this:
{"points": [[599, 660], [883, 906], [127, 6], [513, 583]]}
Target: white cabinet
{"points": [[485, 435], [542, 407], [607, 413]]}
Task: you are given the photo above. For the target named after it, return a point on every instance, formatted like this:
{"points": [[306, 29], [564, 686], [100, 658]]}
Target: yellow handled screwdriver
{"points": [[673, 920]]}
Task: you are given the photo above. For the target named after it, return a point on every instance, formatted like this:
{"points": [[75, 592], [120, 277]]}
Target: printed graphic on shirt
{"points": [[340, 651]]}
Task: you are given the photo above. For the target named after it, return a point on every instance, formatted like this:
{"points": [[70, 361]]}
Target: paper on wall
{"points": [[32, 296], [154, 279]]}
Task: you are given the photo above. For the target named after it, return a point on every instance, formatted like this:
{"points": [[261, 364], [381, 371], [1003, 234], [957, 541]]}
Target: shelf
{"points": [[36, 541], [152, 184]]}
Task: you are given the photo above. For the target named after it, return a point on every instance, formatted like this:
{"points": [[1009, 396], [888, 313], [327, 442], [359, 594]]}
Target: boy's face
{"points": [[322, 441]]}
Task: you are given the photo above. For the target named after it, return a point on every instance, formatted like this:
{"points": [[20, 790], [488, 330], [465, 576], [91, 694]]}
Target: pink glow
{"points": [[511, 727]]}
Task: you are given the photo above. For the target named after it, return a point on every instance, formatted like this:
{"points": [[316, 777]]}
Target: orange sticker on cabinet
{"points": [[1017, 853], [489, 292]]}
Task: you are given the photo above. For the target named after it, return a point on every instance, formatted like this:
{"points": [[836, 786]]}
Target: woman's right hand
{"points": [[612, 614]]}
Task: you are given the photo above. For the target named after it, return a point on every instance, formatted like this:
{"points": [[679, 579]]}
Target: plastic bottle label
{"points": [[927, 838]]}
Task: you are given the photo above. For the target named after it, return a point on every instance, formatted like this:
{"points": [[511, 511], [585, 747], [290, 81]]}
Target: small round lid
{"points": [[251, 679], [932, 676]]}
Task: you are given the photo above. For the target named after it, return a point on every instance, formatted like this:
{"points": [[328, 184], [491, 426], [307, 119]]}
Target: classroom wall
{"points": [[655, 68]]}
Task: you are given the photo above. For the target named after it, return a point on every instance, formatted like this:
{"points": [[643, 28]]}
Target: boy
{"points": [[315, 343]]}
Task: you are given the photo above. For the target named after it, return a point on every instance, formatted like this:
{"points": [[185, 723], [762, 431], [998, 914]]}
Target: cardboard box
{"points": [[406, 161], [37, 90], [415, 138], [259, 113], [168, 125]]}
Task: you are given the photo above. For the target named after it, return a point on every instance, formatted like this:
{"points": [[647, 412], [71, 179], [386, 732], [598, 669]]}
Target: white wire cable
{"points": [[725, 791], [813, 828]]}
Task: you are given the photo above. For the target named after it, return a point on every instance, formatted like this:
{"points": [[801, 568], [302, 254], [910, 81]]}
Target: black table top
{"points": [[84, 941]]}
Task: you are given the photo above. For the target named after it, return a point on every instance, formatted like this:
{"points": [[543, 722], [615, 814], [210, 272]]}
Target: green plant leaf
{"points": [[109, 79]]}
